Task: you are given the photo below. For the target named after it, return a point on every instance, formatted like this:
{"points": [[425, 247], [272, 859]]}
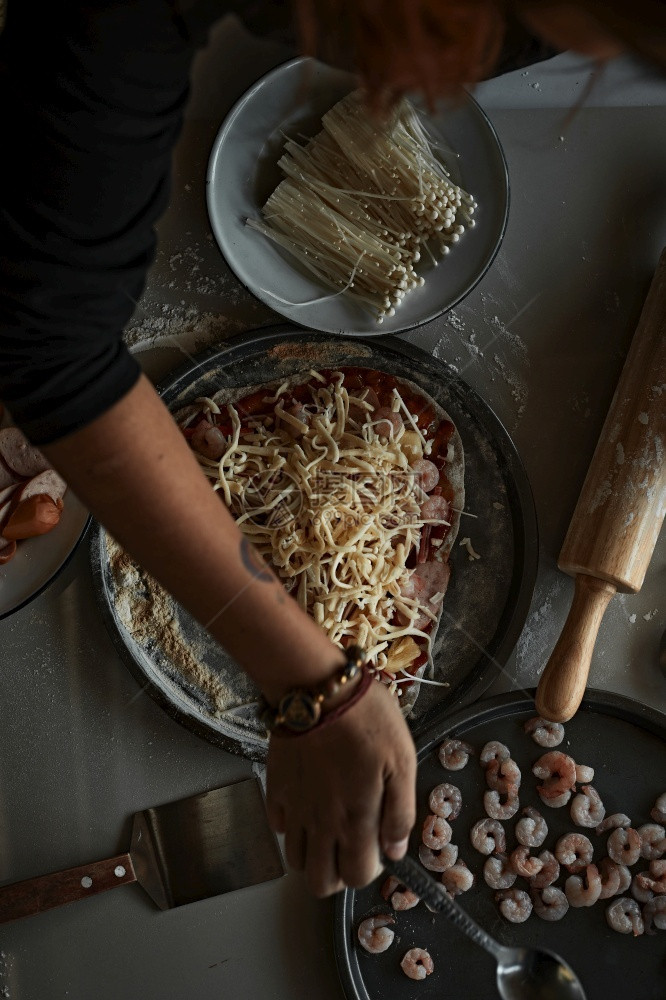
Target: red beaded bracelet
{"points": [[303, 710]]}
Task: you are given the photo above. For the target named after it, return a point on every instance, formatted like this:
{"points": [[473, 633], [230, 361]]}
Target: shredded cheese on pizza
{"points": [[327, 495]]}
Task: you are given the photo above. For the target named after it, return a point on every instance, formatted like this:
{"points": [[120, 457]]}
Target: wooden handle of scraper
{"points": [[34, 895], [620, 510]]}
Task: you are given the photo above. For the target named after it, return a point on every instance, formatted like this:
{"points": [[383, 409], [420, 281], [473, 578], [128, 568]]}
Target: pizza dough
{"points": [[349, 483]]}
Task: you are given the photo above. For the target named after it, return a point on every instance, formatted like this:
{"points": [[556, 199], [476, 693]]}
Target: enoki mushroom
{"points": [[362, 200]]}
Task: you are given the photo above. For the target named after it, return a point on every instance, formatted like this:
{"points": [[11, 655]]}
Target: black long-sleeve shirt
{"points": [[91, 101], [92, 96]]}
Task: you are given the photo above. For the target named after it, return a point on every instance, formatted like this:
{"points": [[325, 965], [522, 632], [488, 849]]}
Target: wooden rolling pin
{"points": [[619, 513]]}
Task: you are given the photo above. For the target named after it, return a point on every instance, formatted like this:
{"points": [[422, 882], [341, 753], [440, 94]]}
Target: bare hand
{"points": [[342, 793]]}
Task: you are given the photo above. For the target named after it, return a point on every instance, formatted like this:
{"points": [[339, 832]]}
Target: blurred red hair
{"points": [[396, 46], [437, 46]]}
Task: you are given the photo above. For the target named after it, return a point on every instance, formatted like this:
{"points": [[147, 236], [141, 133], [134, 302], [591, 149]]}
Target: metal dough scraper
{"points": [[180, 852]]}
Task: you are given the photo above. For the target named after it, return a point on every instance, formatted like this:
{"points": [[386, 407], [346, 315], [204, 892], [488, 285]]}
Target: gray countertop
{"points": [[542, 338]]}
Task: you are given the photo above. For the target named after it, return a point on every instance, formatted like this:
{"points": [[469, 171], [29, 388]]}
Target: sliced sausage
{"points": [[19, 455], [48, 482], [7, 550], [426, 474], [35, 516], [386, 422], [369, 396]]}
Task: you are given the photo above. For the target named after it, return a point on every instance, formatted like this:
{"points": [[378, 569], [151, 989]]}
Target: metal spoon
{"points": [[522, 973]]}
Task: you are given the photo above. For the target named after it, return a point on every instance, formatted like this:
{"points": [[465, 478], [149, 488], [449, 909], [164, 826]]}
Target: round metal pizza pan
{"points": [[487, 600], [625, 742]]}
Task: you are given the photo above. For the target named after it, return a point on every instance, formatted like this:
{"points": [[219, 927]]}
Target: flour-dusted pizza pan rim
{"points": [[625, 742], [499, 586], [243, 172]]}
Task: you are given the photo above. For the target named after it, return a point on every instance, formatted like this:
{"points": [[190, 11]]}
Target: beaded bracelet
{"points": [[304, 709]]}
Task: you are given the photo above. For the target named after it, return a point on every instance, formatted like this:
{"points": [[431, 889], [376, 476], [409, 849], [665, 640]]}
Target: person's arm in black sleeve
{"points": [[91, 101], [93, 130]]}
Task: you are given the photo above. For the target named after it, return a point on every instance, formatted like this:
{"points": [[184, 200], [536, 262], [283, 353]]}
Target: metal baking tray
{"points": [[487, 601], [625, 742]]}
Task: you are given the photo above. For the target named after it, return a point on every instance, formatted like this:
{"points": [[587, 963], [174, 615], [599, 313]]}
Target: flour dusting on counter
{"points": [[475, 335], [179, 326], [542, 630], [5, 973]]}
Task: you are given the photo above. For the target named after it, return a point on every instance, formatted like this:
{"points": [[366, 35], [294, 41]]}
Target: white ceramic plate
{"points": [[39, 560], [243, 172]]}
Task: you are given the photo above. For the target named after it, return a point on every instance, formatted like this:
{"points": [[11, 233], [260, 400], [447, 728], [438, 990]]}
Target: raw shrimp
{"points": [[653, 841], [656, 880], [557, 772], [584, 890], [500, 810], [437, 832], [488, 837], [438, 861], [549, 873], [625, 879], [498, 873], [624, 916], [398, 895], [458, 878], [638, 889], [613, 822], [611, 875], [574, 851], [494, 751], [454, 754], [503, 776], [655, 910], [524, 864], [209, 440], [558, 801], [658, 812], [445, 800], [532, 829], [375, 933], [404, 899], [584, 774], [423, 582], [550, 903], [436, 509], [515, 905], [587, 809], [545, 733], [417, 964], [624, 846]]}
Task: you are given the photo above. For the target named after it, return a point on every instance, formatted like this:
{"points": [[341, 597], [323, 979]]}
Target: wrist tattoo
{"points": [[254, 564]]}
